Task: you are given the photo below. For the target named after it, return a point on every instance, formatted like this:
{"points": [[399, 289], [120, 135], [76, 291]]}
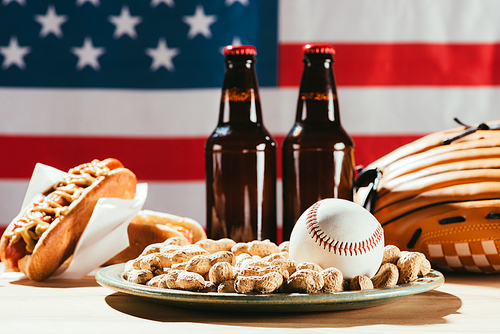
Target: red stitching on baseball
{"points": [[341, 248]]}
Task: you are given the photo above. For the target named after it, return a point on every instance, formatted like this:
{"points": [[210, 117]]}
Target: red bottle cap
{"points": [[245, 50], [319, 48]]}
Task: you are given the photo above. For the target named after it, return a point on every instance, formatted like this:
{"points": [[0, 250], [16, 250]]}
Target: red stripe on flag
{"points": [[402, 64], [149, 158], [160, 159]]}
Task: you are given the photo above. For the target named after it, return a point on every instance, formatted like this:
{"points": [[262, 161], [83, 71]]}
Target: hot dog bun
{"points": [[150, 227], [58, 242]]}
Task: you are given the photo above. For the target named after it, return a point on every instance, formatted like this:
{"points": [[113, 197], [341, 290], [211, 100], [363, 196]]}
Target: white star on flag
{"points": [[21, 2], [230, 2], [14, 54], [199, 23], [51, 22], [125, 23], [169, 3], [88, 54], [162, 56], [82, 2]]}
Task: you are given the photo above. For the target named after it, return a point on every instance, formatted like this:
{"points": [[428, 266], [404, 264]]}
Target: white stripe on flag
{"points": [[12, 195], [109, 112], [388, 21]]}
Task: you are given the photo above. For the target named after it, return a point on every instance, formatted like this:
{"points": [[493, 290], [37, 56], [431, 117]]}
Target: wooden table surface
{"points": [[466, 303]]}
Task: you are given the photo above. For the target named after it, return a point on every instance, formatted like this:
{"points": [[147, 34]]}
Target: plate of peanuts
{"points": [[259, 276]]}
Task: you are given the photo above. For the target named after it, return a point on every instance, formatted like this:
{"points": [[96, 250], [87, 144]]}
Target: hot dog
{"points": [[150, 227], [42, 237]]}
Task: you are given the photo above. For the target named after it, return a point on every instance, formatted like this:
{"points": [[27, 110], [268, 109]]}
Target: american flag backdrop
{"points": [[140, 80]]}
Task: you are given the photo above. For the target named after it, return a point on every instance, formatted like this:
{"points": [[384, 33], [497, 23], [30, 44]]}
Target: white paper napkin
{"points": [[106, 233], [42, 179]]}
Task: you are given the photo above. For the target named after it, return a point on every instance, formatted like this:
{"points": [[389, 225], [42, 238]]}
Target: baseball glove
{"points": [[440, 195]]}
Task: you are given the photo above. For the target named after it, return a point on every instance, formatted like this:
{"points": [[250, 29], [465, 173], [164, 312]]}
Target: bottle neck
{"points": [[318, 101], [240, 102]]}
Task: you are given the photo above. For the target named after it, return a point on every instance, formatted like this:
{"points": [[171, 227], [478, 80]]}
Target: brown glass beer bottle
{"points": [[318, 155], [240, 158]]}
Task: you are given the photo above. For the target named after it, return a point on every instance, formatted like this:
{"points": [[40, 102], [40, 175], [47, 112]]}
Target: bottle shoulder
{"points": [[237, 135], [318, 134]]}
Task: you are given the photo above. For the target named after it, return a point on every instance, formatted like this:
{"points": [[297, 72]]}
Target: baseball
{"points": [[341, 234]]}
